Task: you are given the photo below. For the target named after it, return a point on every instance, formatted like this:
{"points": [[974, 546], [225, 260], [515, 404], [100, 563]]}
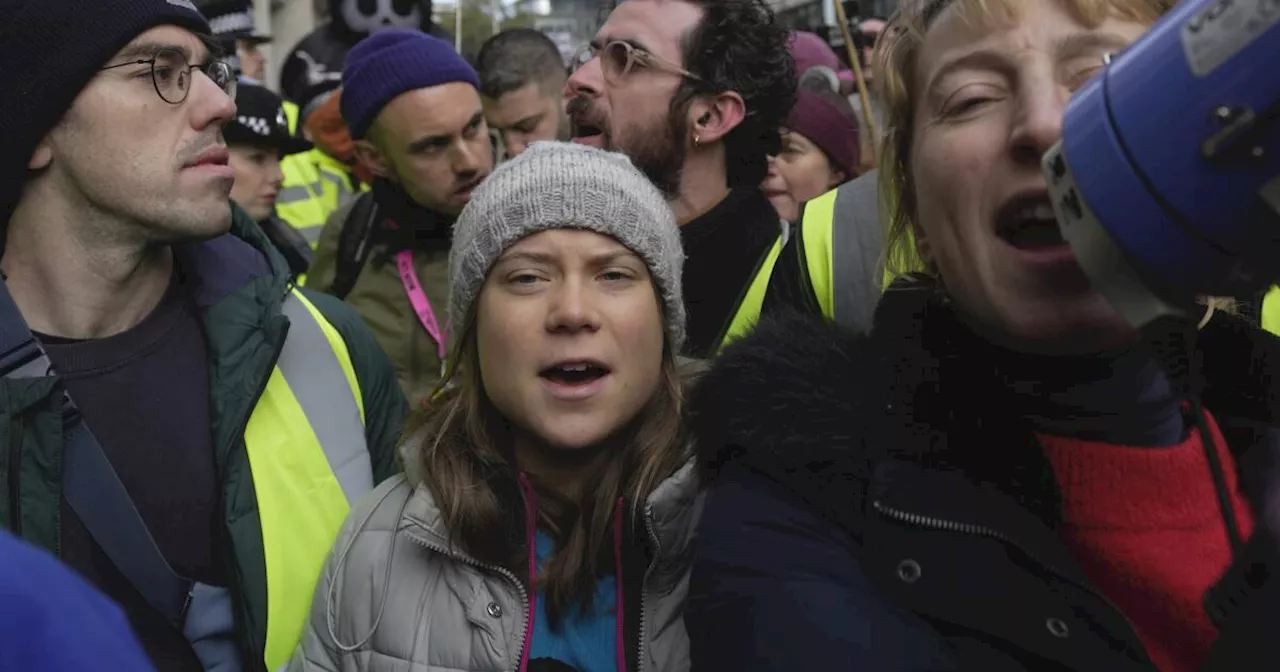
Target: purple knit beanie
{"points": [[391, 62], [826, 126]]}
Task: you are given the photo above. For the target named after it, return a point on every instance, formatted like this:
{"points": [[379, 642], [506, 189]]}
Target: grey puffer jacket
{"points": [[396, 596]]}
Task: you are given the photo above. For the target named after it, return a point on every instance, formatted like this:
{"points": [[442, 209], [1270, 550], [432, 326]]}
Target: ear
{"points": [[837, 178], [712, 117], [368, 154]]}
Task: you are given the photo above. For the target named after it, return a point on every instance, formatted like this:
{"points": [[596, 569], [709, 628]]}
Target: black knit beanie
{"points": [[50, 50]]}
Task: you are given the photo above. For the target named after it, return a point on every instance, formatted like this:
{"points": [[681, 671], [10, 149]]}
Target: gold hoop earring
{"points": [[696, 139]]}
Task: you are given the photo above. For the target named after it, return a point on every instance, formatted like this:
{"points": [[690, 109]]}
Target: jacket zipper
{"points": [[657, 552], [524, 594], [16, 430], [929, 522]]}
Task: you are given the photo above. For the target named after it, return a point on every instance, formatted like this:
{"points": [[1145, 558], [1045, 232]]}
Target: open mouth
{"points": [[580, 130], [580, 118], [466, 189], [574, 374], [1028, 223], [774, 193]]}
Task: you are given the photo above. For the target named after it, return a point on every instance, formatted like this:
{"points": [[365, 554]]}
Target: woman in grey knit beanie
{"points": [[551, 476]]}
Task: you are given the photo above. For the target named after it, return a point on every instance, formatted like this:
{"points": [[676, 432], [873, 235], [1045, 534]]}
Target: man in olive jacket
{"points": [[171, 322], [413, 107]]}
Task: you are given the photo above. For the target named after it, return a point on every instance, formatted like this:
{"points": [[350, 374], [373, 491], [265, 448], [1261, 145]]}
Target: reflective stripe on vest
{"points": [[302, 201], [748, 312], [299, 192], [843, 224], [315, 186], [306, 446], [341, 185], [1271, 311]]}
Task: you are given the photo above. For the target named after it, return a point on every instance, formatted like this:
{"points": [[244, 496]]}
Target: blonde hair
{"points": [[895, 65]]}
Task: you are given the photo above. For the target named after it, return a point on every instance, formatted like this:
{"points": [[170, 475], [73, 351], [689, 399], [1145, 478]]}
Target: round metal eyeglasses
{"points": [[172, 74], [618, 59]]}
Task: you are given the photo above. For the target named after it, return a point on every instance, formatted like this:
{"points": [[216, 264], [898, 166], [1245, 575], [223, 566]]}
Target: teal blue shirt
{"points": [[587, 640]]}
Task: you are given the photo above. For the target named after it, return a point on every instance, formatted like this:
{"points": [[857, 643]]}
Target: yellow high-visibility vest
{"points": [[310, 463], [752, 302], [315, 184], [1271, 311], [817, 254], [306, 446], [291, 113], [843, 247]]}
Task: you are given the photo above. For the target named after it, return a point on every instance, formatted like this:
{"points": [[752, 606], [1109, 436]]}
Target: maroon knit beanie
{"points": [[826, 126]]}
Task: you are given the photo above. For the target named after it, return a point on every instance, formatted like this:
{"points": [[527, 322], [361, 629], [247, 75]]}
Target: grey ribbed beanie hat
{"points": [[560, 185]]}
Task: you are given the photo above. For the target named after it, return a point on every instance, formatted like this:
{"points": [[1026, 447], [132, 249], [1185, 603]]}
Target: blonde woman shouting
{"points": [[549, 502]]}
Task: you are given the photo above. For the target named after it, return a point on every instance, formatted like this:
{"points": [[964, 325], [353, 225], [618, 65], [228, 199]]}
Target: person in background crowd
{"points": [[695, 92], [819, 152], [323, 179], [1002, 437], [837, 239], [552, 477], [52, 621], [521, 85], [232, 23], [313, 184], [253, 63], [811, 51], [318, 182], [413, 107], [818, 268], [871, 30], [257, 138], [231, 419], [314, 66]]}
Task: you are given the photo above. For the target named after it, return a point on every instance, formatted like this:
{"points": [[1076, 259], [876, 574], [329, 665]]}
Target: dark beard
{"points": [[659, 152]]}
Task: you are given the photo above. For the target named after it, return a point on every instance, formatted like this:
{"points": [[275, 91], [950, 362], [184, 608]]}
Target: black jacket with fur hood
{"points": [[872, 507]]}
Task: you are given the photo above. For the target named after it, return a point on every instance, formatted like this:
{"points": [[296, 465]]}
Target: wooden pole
{"points": [[457, 26], [855, 61]]}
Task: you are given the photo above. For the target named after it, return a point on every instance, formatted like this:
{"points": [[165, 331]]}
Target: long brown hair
{"points": [[465, 458]]}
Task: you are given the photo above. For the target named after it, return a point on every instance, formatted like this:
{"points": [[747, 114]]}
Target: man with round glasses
{"points": [[694, 91], [181, 425]]}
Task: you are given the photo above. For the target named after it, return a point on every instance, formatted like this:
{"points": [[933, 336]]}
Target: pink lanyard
{"points": [[421, 304]]}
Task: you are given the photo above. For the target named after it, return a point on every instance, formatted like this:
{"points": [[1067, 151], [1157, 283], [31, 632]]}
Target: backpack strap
{"points": [[289, 243], [353, 244], [91, 485]]}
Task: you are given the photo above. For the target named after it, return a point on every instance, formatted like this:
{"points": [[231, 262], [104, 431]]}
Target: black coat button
{"points": [[909, 571]]}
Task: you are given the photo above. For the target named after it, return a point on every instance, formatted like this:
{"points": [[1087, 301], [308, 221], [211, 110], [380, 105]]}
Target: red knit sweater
{"points": [[1146, 525]]}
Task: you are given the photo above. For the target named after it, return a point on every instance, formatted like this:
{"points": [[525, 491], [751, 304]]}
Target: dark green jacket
{"points": [[240, 283]]}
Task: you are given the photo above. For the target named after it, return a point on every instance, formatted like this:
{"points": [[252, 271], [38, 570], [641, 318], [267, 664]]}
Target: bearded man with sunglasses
{"points": [[180, 424], [694, 91]]}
